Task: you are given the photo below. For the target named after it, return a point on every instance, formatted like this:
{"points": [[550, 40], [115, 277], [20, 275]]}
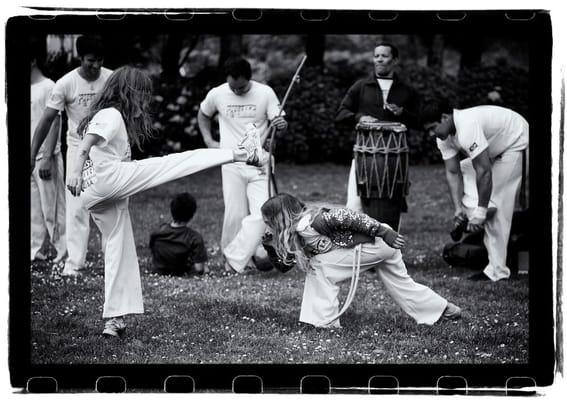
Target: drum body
{"points": [[381, 157]]}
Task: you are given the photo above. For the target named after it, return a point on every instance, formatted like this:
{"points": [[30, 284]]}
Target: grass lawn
{"points": [[253, 318]]}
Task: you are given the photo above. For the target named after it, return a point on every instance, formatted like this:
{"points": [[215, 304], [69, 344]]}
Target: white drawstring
{"points": [[353, 283]]}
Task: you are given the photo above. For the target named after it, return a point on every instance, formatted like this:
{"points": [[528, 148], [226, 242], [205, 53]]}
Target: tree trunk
{"points": [[315, 50], [170, 57], [471, 51], [230, 46], [435, 48]]}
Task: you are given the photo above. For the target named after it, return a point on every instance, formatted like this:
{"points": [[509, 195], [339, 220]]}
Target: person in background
{"points": [[176, 248], [73, 93], [494, 139], [242, 105], [47, 189], [382, 96]]}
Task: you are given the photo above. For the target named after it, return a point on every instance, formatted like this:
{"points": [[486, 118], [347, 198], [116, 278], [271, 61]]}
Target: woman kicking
{"points": [[105, 177]]}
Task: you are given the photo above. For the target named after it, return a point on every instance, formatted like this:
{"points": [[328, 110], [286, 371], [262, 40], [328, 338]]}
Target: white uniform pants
{"points": [[320, 295], [506, 180], [107, 200], [245, 190], [47, 213], [353, 199], [76, 221]]}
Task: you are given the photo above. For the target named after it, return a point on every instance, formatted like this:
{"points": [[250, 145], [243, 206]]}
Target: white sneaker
{"points": [[114, 327], [252, 145]]}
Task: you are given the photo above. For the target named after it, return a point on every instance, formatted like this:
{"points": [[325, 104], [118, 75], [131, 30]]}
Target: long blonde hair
{"points": [[129, 90], [282, 213]]}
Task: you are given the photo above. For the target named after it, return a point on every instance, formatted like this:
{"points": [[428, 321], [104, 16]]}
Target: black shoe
{"points": [[479, 277]]}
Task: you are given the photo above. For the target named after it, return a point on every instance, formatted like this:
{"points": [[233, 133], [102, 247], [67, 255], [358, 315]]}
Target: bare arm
{"points": [[41, 132], [45, 164], [455, 183], [205, 128], [483, 169], [75, 175]]}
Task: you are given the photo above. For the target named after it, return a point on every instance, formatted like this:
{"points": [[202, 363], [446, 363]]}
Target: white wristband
{"points": [[479, 212]]}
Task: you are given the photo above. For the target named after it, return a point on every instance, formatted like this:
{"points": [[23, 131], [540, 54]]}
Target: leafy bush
{"points": [[310, 110]]}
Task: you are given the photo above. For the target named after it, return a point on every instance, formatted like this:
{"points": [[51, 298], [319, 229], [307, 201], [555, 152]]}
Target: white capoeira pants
{"points": [[320, 295], [77, 221], [353, 199], [506, 181], [107, 200], [245, 189], [47, 214]]}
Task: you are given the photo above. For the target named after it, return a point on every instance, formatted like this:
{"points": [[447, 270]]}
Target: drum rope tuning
{"points": [[381, 158]]}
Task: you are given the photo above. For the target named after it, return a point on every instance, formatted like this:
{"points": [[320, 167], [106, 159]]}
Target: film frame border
{"points": [[533, 24]]}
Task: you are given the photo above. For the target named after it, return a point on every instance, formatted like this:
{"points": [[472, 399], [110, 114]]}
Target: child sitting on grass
{"points": [[320, 241], [176, 248]]}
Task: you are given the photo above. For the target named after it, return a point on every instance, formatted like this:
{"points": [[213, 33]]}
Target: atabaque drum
{"points": [[381, 156]]}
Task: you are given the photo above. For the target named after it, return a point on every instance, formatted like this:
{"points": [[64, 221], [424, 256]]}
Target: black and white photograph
{"points": [[239, 198]]}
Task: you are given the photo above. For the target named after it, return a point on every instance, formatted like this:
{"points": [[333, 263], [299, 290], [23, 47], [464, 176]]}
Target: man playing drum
{"points": [[379, 97], [495, 139]]}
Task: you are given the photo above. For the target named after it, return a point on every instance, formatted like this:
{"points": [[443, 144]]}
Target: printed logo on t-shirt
{"points": [[89, 176], [241, 111], [85, 99], [473, 147]]}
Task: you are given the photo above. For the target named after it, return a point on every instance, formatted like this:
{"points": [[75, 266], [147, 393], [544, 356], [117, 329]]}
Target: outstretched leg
{"points": [[418, 301], [136, 176]]}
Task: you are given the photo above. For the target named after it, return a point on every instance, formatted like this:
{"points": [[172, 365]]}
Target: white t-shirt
{"points": [[497, 129], [385, 85], [40, 92], [115, 147], [259, 105], [74, 94]]}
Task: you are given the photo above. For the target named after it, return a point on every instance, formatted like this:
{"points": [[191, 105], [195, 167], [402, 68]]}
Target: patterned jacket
{"points": [[342, 226], [347, 228]]}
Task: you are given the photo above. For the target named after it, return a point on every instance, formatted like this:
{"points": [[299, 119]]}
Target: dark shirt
{"points": [[365, 98], [175, 250]]}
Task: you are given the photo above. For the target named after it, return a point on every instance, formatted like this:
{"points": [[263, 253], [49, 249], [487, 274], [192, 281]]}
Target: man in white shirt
{"points": [[47, 189], [494, 138], [241, 104], [74, 93]]}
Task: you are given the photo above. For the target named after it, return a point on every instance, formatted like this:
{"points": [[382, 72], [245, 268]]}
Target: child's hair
{"points": [[129, 90], [282, 213], [433, 109], [237, 67], [89, 44], [183, 207]]}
